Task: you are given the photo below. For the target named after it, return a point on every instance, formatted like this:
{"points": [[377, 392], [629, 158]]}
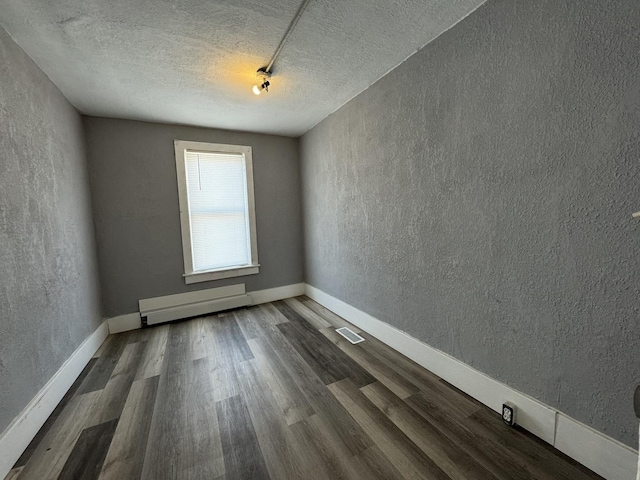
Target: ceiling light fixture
{"points": [[263, 82], [264, 73]]}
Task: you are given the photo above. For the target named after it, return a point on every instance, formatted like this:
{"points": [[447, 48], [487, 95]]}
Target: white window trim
{"points": [[190, 276]]}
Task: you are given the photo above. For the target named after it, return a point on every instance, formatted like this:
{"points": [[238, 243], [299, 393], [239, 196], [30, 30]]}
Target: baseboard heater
{"points": [[185, 305]]}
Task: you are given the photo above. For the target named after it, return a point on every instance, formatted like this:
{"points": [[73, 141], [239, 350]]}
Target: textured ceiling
{"points": [[193, 61]]}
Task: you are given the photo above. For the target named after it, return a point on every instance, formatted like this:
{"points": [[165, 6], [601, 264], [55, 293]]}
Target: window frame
{"points": [[191, 276]]}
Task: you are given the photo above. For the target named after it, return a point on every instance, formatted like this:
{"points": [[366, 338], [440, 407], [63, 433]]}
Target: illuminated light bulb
{"points": [[263, 81]]}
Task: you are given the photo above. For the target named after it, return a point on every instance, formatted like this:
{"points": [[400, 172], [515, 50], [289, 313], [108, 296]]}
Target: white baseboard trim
{"points": [[148, 305], [196, 309], [600, 453], [124, 323], [192, 304], [132, 321], [278, 293], [16, 438]]}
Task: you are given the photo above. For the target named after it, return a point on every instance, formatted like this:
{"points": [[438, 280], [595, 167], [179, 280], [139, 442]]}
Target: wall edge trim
{"points": [[132, 321], [24, 427], [277, 293], [124, 323], [604, 455]]}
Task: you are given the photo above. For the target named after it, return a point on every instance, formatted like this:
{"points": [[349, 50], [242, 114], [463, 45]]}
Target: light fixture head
{"points": [[263, 81], [257, 89]]}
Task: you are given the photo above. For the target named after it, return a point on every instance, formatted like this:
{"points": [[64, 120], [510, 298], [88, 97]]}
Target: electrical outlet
{"points": [[509, 414]]}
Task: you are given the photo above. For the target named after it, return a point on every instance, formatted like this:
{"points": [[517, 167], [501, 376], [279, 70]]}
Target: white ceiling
{"points": [[193, 62]]}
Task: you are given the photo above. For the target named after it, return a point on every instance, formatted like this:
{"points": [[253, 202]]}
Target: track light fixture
{"points": [[263, 81], [264, 73]]}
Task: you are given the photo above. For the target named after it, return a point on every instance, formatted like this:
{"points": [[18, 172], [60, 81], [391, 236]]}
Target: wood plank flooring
{"points": [[273, 392]]}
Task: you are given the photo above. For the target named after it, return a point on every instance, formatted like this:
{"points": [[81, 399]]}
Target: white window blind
{"points": [[218, 210]]}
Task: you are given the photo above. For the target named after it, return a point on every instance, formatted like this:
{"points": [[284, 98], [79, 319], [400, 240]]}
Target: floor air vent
{"points": [[350, 335]]}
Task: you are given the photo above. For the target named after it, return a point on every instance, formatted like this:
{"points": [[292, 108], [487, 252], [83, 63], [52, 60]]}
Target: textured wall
{"points": [[479, 197], [49, 290], [135, 196]]}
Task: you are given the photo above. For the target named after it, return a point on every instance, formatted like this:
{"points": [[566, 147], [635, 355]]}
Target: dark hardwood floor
{"points": [[273, 392]]}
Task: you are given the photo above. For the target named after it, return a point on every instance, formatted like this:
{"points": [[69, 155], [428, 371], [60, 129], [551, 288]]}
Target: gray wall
{"points": [[133, 180], [479, 197], [49, 290]]}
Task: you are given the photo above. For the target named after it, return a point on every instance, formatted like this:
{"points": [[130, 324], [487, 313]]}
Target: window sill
{"points": [[221, 273]]}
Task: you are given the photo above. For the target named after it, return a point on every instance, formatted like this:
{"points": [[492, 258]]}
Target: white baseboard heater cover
{"points": [[185, 305]]}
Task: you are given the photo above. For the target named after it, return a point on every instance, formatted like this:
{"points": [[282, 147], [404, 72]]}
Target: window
{"points": [[217, 211]]}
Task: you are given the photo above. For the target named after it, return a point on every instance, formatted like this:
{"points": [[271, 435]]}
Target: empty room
{"points": [[319, 239]]}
